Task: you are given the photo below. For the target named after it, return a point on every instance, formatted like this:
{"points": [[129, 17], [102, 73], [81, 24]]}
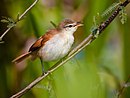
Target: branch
{"points": [[19, 18], [126, 84], [53, 24], [76, 50]]}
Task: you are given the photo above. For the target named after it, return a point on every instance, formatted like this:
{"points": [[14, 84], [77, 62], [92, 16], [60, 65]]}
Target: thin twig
{"points": [[19, 94], [4, 33], [119, 93], [72, 53], [19, 19], [30, 7], [53, 24]]}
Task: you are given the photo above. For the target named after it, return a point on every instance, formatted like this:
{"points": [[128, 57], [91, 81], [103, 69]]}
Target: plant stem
{"points": [[75, 51], [19, 19]]}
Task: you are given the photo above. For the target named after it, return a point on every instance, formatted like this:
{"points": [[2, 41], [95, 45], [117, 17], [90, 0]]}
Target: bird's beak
{"points": [[78, 24]]}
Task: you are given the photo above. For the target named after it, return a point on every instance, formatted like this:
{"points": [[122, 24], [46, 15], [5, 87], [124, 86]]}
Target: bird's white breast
{"points": [[57, 47]]}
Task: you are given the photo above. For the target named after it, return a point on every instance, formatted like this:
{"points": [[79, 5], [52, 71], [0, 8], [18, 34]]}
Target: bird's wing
{"points": [[42, 40]]}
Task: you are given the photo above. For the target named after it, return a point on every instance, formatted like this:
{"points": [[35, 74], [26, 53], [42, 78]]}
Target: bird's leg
{"points": [[42, 63]]}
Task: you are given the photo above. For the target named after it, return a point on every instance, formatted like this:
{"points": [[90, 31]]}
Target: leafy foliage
{"points": [[110, 9], [123, 15], [102, 66], [11, 23]]}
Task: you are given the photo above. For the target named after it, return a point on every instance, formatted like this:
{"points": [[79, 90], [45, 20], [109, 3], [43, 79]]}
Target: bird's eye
{"points": [[70, 25]]}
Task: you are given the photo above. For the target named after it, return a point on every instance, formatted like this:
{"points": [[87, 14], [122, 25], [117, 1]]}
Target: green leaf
{"points": [[53, 24], [11, 20], [11, 25], [4, 21], [18, 17], [1, 42], [123, 15], [110, 9]]}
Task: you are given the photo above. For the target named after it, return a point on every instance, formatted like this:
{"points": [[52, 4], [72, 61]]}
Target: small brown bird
{"points": [[53, 45]]}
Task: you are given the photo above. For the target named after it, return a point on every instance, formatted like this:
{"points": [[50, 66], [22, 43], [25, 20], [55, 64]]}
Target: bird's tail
{"points": [[21, 57]]}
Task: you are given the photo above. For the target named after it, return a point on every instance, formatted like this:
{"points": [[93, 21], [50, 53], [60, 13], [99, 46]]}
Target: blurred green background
{"points": [[96, 72]]}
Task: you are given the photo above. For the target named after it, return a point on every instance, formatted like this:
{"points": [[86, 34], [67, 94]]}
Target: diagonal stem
{"points": [[30, 7], [72, 53], [122, 88], [19, 19], [1, 37]]}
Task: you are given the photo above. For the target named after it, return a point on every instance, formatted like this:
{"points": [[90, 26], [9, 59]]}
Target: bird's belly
{"points": [[56, 48]]}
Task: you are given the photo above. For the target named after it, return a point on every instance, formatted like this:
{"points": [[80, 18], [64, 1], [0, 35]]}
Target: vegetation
{"points": [[99, 71]]}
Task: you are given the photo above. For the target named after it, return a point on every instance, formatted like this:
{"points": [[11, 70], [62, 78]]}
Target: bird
{"points": [[54, 44]]}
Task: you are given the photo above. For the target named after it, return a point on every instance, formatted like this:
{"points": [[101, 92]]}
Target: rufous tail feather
{"points": [[21, 57]]}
